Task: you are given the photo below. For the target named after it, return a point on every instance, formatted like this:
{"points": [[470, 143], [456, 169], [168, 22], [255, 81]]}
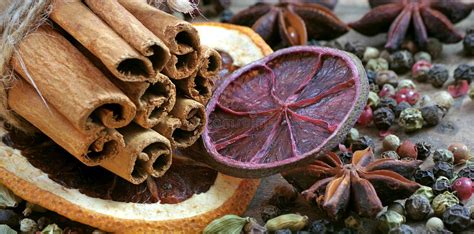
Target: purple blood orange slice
{"points": [[283, 110]]}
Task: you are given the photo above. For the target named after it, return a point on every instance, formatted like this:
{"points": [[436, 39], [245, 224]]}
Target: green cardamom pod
{"points": [[7, 198], [4, 229], [52, 229], [294, 222], [231, 224]]}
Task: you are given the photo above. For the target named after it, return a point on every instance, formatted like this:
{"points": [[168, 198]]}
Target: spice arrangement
{"points": [[123, 117]]}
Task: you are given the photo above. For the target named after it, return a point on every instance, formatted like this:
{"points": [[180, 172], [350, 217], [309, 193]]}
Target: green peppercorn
{"points": [[468, 42], [374, 88], [411, 119], [383, 118], [391, 142], [432, 115], [28, 225], [443, 201], [405, 83], [401, 61], [426, 192], [434, 47], [457, 218], [423, 149], [378, 64], [401, 107], [438, 75], [352, 136], [434, 224], [373, 99], [441, 185], [389, 219], [417, 207], [464, 72], [443, 155], [390, 154], [443, 99], [422, 55], [370, 53]]}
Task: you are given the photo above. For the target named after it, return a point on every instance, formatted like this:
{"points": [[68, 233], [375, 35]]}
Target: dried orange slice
{"points": [[92, 197]]}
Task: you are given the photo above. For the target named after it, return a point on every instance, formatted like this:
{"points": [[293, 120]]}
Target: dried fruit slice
{"points": [[283, 109]]}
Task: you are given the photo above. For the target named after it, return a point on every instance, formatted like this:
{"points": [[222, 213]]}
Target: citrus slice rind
{"points": [[283, 109]]}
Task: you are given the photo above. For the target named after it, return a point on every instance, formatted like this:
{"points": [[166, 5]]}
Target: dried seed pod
{"points": [[424, 150], [294, 222], [52, 228], [391, 142], [443, 155], [457, 218], [401, 61], [388, 220], [226, 224], [443, 201]]}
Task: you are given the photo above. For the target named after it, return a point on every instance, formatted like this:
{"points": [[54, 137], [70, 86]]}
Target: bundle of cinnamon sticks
{"points": [[118, 84]]}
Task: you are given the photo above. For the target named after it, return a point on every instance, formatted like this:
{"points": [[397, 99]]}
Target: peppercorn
{"points": [[420, 69], [405, 83], [438, 75], [422, 56], [441, 185], [417, 207], [407, 150], [387, 102], [313, 42], [457, 218], [426, 192], [226, 15], [345, 231], [434, 224], [283, 197], [401, 107], [411, 119], [373, 99], [443, 99], [269, 212], [391, 142], [374, 88], [424, 150], [9, 217], [464, 72], [385, 54], [467, 172], [346, 157], [370, 53], [432, 115], [443, 155], [383, 118], [443, 169], [334, 44], [352, 136], [378, 64], [387, 91], [389, 219], [443, 201], [321, 226], [403, 229], [371, 76], [390, 154], [425, 177], [401, 61], [362, 143], [303, 232], [468, 42], [434, 47], [28, 225], [460, 152], [43, 222], [386, 77], [471, 92], [355, 47], [407, 95], [397, 207], [283, 231]]}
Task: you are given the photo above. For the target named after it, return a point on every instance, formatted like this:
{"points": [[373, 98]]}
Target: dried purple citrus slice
{"points": [[283, 109]]}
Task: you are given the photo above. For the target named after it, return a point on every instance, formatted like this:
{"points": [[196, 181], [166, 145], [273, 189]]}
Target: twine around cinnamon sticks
{"points": [[118, 84]]}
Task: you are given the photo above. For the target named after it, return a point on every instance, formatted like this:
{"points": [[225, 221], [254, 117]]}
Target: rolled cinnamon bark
{"points": [[90, 149], [211, 63], [180, 36], [132, 30], [116, 54], [70, 82], [146, 153], [153, 100], [196, 87]]}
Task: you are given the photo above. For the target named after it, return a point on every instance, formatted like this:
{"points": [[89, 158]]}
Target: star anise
{"points": [[365, 185], [422, 18], [289, 23]]}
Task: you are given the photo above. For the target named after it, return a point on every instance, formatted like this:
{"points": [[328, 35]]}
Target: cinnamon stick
{"points": [[132, 30], [90, 149], [118, 56], [196, 87], [211, 63], [70, 82], [153, 100], [146, 153], [180, 37], [185, 123]]}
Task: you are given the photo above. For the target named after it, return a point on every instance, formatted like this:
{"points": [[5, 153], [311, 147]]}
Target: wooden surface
{"points": [[458, 126]]}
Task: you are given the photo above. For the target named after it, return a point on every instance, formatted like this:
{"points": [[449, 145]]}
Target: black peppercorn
{"points": [[269, 212], [383, 118], [457, 218], [401, 61], [467, 172], [362, 143], [355, 47], [425, 177], [468, 42], [346, 157], [402, 229], [424, 150], [438, 75], [432, 115], [283, 231], [418, 207], [400, 107], [321, 226], [387, 102], [441, 185], [371, 76], [464, 72], [443, 169]]}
